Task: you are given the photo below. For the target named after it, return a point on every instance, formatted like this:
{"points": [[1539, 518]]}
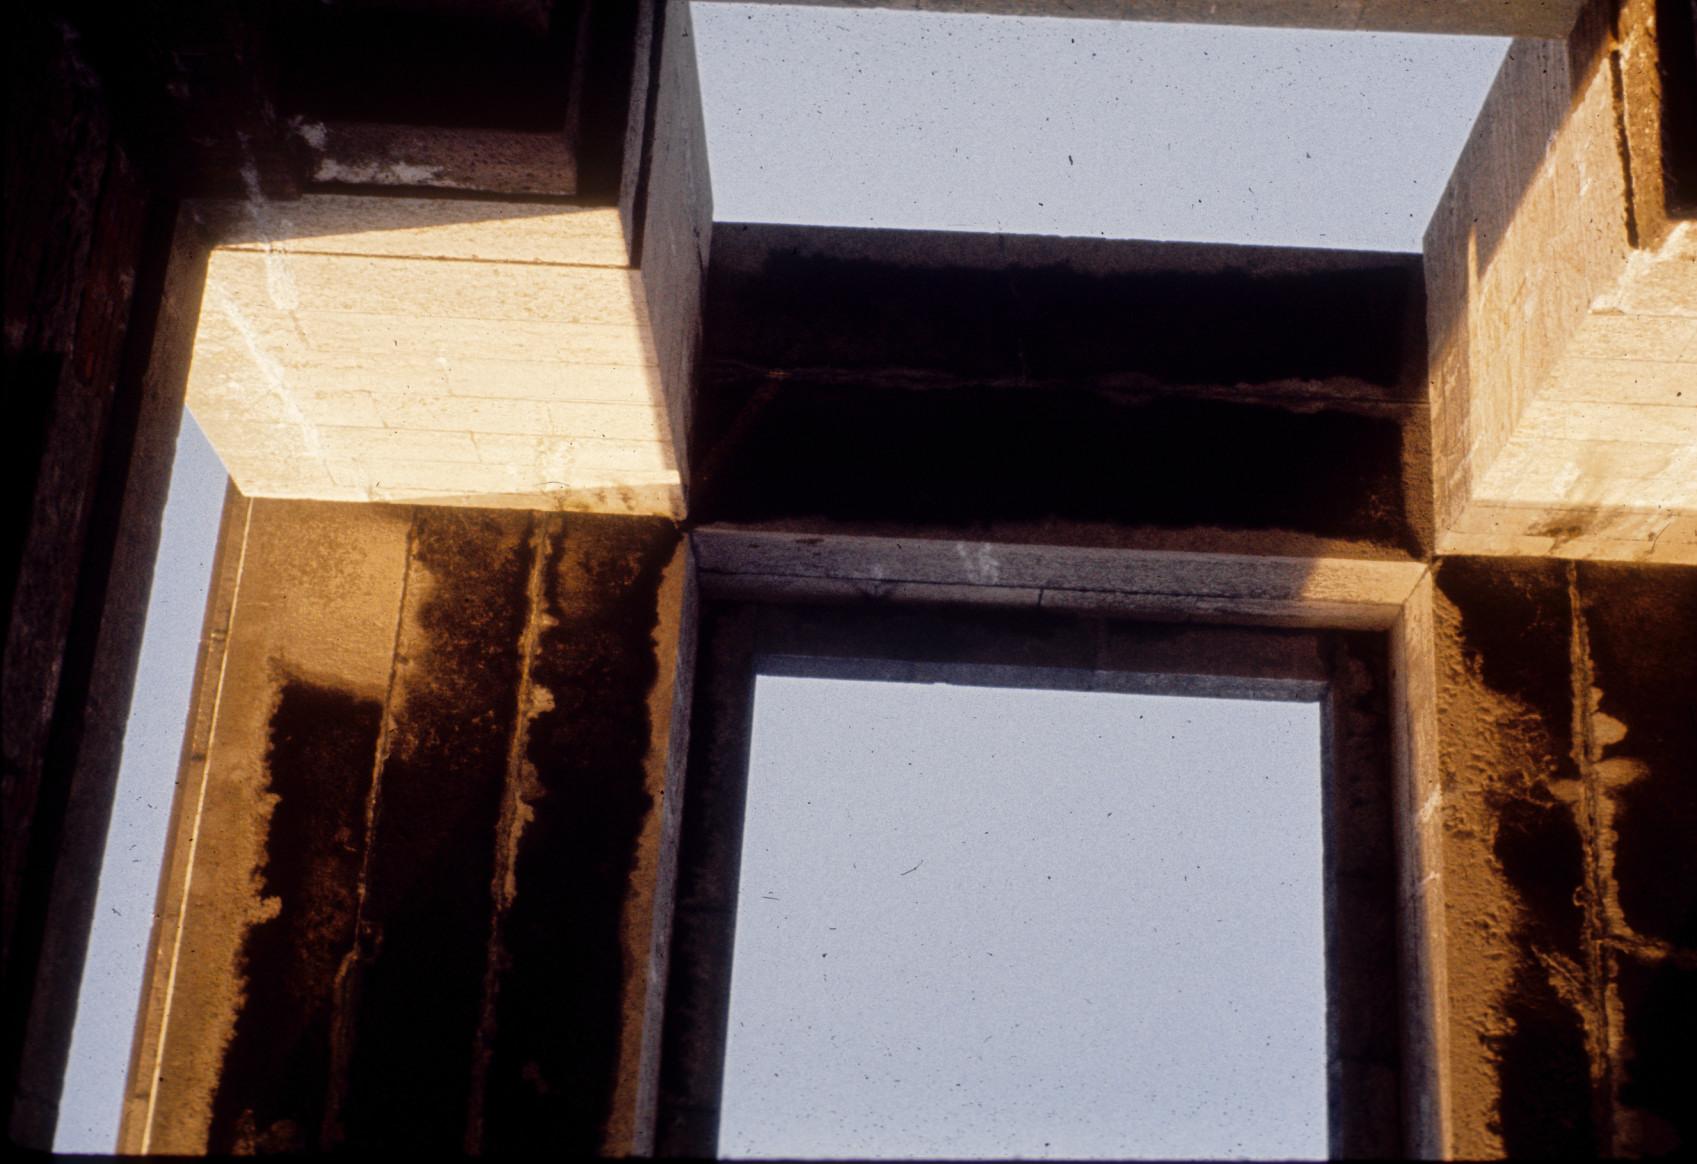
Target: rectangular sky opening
{"points": [[1125, 129], [92, 1099], [1010, 923]]}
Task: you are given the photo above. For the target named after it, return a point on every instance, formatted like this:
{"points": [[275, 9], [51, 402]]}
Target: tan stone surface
{"points": [[1482, 736], [1515, 261], [1603, 460], [493, 354]]}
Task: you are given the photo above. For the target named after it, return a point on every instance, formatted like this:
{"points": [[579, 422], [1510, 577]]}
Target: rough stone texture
{"points": [[1424, 966], [1641, 648], [360, 153], [1519, 988], [1639, 83], [426, 799], [1157, 583], [1564, 747], [1561, 361]]}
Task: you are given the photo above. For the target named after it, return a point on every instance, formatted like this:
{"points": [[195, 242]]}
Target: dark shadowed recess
{"points": [[1642, 626], [892, 376], [1641, 623], [1023, 648], [212, 93], [1676, 39], [560, 1006], [966, 457], [425, 924], [1659, 997], [274, 1088], [1064, 309], [484, 65], [545, 66], [1545, 1110]]}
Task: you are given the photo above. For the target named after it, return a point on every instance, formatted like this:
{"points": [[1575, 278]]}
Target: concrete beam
{"points": [[1282, 591]]}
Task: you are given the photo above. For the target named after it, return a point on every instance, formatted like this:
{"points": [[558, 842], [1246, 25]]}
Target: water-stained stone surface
{"points": [[564, 963], [1567, 735], [273, 1088], [470, 965], [1641, 627], [453, 709], [424, 835]]}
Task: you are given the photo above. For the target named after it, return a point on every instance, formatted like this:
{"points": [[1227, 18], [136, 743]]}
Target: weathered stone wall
{"points": [[1566, 808], [410, 897], [76, 213]]}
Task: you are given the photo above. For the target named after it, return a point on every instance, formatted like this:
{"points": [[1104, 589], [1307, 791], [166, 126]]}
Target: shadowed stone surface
{"points": [[273, 1090], [559, 1011]]}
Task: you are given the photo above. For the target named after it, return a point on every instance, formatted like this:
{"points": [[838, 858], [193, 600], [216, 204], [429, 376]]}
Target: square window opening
{"points": [[969, 886]]}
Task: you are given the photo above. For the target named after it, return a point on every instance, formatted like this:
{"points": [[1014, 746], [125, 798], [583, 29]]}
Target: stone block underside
{"points": [[414, 350], [1602, 462]]}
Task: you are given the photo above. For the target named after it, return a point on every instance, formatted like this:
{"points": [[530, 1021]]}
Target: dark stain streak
{"points": [[966, 456], [1545, 1072], [428, 902], [560, 1009], [273, 1090]]}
